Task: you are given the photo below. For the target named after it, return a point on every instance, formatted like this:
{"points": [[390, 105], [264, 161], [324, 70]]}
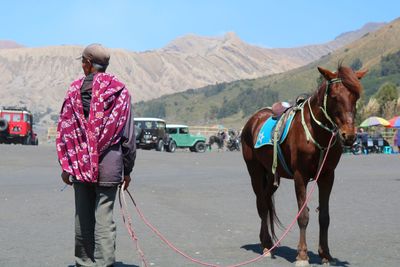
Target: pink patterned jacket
{"points": [[80, 142]]}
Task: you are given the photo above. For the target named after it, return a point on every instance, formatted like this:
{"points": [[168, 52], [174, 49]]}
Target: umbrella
{"points": [[394, 122], [374, 121]]}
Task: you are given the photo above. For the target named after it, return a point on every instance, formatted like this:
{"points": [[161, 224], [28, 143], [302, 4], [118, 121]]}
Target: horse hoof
{"points": [[302, 263], [266, 253]]}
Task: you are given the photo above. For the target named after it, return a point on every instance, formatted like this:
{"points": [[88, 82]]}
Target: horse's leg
{"points": [[325, 184], [259, 183], [302, 221]]}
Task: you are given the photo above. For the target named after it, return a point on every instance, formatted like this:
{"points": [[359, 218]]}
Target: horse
{"points": [[329, 112], [216, 140]]}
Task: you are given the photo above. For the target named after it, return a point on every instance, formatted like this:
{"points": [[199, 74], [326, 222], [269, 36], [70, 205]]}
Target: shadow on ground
{"points": [[117, 264], [290, 254]]}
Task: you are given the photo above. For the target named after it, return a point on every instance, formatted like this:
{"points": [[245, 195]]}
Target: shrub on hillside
{"points": [[390, 64]]}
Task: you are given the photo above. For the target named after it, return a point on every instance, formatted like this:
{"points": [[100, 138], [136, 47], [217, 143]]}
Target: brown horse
{"points": [[330, 110]]}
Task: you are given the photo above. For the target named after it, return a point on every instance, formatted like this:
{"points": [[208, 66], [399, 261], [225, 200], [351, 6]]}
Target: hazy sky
{"points": [[146, 25]]}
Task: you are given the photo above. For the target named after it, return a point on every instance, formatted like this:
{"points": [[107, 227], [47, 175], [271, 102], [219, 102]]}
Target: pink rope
{"points": [[165, 240], [129, 227]]}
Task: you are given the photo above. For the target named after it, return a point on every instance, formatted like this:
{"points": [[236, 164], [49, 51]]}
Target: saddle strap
{"points": [[277, 153], [275, 140]]}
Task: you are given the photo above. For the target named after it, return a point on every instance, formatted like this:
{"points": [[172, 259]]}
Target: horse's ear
{"points": [[327, 73], [361, 73]]}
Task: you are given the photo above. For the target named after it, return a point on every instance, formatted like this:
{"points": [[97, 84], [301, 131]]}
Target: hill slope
{"points": [[232, 103], [38, 77]]}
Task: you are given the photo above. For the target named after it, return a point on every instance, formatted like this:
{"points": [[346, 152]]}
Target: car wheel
{"points": [[27, 140], [3, 124], [200, 147], [160, 145], [172, 147]]}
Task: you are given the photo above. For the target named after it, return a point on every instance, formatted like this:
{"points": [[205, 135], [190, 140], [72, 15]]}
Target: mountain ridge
{"points": [[227, 103], [39, 77]]}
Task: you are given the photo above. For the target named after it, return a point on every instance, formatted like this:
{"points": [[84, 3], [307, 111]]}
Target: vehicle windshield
{"points": [[149, 124], [7, 117], [16, 117], [161, 125]]}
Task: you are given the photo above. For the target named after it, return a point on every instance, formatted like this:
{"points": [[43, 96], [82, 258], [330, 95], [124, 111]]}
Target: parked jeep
{"points": [[181, 138], [16, 126], [150, 133]]}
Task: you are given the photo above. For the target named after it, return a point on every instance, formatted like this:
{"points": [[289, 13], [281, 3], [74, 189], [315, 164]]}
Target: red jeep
{"points": [[16, 126]]}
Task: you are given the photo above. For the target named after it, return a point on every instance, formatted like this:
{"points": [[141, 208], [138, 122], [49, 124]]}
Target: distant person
{"points": [[96, 149], [231, 134], [224, 137], [397, 139], [363, 136]]}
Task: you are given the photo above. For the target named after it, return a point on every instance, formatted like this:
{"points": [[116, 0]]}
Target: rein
{"points": [[266, 252]]}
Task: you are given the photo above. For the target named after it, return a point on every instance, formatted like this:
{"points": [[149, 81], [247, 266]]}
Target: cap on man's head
{"points": [[97, 54]]}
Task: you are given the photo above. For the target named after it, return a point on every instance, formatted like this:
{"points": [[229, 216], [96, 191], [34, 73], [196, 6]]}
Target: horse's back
{"points": [[251, 129]]}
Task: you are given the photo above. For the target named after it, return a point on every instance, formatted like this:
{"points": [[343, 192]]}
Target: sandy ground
{"points": [[205, 205]]}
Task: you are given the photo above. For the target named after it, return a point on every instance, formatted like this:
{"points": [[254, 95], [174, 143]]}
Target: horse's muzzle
{"points": [[348, 139]]}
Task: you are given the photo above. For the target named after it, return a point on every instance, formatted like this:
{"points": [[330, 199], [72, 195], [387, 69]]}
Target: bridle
{"points": [[334, 129], [323, 108]]}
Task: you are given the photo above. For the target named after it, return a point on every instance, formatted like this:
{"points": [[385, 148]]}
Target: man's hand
{"points": [[127, 180], [65, 178]]}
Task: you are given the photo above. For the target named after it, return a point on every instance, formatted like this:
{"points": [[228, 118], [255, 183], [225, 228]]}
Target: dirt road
{"points": [[204, 204]]}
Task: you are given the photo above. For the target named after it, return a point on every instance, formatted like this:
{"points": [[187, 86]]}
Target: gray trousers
{"points": [[95, 230]]}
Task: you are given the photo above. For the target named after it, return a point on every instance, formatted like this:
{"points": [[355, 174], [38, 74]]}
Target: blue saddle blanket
{"points": [[265, 135]]}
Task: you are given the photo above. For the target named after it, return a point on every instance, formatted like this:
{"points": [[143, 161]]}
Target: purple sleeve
{"points": [[129, 144]]}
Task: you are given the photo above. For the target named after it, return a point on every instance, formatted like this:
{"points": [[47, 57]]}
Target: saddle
{"points": [[275, 130], [279, 108], [279, 134]]}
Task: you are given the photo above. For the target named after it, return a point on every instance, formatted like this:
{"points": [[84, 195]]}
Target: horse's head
{"points": [[343, 89]]}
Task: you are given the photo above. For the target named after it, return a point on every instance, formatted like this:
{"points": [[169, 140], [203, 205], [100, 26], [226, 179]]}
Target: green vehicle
{"points": [[181, 138]]}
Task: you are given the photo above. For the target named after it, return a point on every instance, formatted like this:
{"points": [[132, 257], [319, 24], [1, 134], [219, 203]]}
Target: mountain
{"points": [[39, 77], [6, 44], [232, 103], [340, 41]]}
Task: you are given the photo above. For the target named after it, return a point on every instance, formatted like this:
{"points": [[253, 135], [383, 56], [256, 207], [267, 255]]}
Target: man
{"points": [[363, 137], [397, 139], [96, 149]]}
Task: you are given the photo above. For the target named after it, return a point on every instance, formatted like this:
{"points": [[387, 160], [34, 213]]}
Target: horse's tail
{"points": [[272, 217], [257, 171]]}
